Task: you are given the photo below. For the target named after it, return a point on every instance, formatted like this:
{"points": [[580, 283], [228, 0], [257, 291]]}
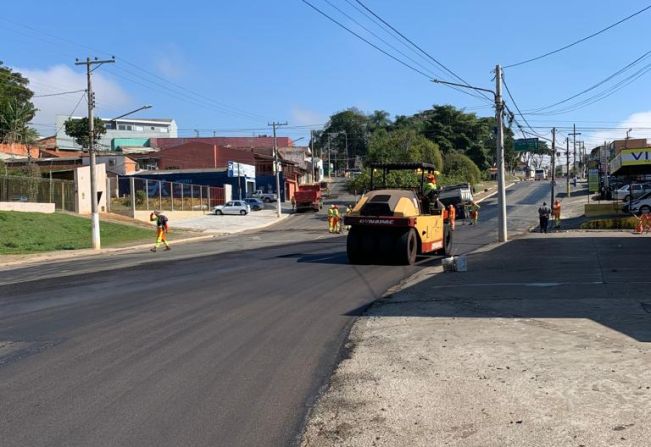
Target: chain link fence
{"points": [[36, 189], [128, 194]]}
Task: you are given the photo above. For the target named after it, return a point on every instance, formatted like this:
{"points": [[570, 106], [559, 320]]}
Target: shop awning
{"points": [[631, 162]]}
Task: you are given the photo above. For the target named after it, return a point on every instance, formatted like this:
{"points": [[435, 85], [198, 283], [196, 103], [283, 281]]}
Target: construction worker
{"points": [[556, 214], [474, 213], [432, 182], [643, 223], [333, 219], [293, 202], [452, 215], [161, 229]]}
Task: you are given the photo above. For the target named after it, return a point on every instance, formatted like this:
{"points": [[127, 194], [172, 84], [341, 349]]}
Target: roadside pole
{"points": [[567, 163], [553, 165], [95, 234], [276, 167], [502, 235]]}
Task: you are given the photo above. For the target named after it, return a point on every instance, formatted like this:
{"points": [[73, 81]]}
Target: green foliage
{"points": [[403, 145], [349, 126], [78, 130], [36, 232], [16, 108], [615, 223], [459, 166]]}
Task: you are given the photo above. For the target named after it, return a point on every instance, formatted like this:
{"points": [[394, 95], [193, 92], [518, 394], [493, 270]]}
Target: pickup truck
{"points": [[456, 194], [265, 197]]}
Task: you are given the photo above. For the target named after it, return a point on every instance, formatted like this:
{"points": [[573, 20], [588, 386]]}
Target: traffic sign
{"points": [[525, 145]]}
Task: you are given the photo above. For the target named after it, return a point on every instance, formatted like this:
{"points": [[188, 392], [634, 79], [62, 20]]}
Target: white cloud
{"points": [[302, 116], [109, 96], [171, 63], [634, 122]]}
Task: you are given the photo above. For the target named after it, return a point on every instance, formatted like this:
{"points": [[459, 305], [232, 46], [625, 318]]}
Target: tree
{"points": [[78, 129], [403, 145], [16, 108], [459, 166]]}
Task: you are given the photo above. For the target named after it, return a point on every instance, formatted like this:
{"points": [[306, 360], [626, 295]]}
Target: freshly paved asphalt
{"points": [[225, 342]]}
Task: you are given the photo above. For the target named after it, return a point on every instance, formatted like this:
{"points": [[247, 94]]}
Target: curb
{"points": [[89, 253]]}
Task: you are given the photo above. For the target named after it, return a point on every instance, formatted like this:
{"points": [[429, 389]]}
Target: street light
{"points": [[132, 112], [627, 137], [298, 139]]}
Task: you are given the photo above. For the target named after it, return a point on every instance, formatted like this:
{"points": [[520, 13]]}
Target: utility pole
{"points": [[553, 165], [314, 165], [95, 235], [567, 163], [276, 167], [502, 235], [574, 134]]}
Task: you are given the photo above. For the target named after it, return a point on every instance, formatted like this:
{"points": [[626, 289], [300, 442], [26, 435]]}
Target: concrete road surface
{"points": [[225, 342]]}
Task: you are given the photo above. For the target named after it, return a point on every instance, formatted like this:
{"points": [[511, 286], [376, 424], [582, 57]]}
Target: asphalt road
{"points": [[225, 342]]}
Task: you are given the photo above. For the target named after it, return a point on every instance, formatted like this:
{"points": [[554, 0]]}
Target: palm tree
{"points": [[14, 117]]}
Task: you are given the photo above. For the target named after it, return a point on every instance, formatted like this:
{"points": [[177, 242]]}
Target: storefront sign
{"points": [[593, 180]]}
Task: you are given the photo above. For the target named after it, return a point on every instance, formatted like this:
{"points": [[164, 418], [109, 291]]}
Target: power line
{"points": [[598, 84], [436, 61], [367, 41], [549, 53], [58, 94]]}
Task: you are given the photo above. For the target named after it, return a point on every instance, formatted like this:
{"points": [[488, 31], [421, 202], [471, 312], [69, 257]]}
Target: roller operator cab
{"points": [[395, 225]]}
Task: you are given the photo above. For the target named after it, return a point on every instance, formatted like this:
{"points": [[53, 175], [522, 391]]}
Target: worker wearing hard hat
{"points": [[432, 182], [333, 219]]}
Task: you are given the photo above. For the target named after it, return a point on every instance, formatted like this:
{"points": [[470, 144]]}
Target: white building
{"points": [[131, 132]]}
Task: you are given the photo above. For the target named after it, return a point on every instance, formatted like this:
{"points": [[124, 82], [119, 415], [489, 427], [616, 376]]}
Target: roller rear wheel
{"points": [[406, 247]]}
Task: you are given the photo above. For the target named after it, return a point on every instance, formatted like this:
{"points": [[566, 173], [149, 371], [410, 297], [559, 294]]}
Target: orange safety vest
{"points": [[453, 212]]}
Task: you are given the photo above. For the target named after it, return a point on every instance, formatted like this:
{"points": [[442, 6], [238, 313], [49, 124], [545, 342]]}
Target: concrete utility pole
{"points": [[567, 162], [276, 167], [574, 134], [95, 235], [502, 235], [553, 165]]}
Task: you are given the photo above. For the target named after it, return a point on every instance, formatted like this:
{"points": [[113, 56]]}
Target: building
{"points": [[258, 142], [116, 164], [121, 132]]}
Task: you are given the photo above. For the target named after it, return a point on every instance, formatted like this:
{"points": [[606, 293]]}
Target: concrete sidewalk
{"points": [[545, 341], [230, 224]]}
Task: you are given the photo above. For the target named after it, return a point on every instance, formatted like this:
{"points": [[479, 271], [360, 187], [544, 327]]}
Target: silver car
{"points": [[233, 207]]}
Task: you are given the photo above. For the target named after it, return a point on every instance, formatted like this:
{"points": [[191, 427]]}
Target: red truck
{"points": [[308, 197]]}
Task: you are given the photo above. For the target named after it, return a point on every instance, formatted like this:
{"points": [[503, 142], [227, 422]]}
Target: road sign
{"points": [[593, 180], [525, 145]]}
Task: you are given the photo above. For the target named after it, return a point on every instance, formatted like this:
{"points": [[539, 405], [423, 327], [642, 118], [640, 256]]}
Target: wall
{"points": [[234, 142], [16, 150], [217, 177], [82, 188], [200, 156], [118, 164], [27, 207]]}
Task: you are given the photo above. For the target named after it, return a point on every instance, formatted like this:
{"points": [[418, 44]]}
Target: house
{"points": [[18, 150], [116, 164], [120, 132]]}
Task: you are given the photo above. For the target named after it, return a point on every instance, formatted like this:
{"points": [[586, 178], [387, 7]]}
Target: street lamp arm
{"points": [[438, 81], [132, 112]]}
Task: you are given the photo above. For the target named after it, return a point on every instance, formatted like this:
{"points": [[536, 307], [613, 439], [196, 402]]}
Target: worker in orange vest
{"points": [[452, 215], [556, 213]]}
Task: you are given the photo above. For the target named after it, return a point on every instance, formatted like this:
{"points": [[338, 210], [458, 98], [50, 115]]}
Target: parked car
{"points": [[255, 204], [265, 197], [635, 190], [233, 207], [643, 204]]}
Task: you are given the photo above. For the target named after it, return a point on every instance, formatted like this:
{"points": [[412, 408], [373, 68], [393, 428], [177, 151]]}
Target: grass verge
{"points": [[37, 232]]}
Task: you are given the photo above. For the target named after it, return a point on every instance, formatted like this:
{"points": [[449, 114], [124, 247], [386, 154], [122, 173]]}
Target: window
{"points": [[163, 129], [140, 128], [125, 127], [152, 128]]}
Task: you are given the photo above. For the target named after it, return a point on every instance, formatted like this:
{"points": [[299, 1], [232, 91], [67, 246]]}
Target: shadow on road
{"points": [[603, 279]]}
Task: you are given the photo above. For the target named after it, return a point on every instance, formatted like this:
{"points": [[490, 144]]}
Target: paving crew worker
{"points": [[543, 214], [432, 183], [333, 218], [161, 229], [452, 215], [474, 213], [556, 213]]}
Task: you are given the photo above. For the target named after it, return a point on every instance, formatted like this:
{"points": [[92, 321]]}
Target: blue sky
{"points": [[236, 65]]}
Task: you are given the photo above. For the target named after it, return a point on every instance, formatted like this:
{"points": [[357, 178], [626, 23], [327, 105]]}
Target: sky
{"points": [[232, 67]]}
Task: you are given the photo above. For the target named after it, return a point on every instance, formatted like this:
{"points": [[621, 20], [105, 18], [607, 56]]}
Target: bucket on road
{"points": [[455, 264]]}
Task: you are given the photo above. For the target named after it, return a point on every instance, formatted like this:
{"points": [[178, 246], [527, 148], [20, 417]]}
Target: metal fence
{"points": [[127, 194], [36, 189]]}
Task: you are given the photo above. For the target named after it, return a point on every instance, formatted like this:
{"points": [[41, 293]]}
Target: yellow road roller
{"points": [[394, 226]]}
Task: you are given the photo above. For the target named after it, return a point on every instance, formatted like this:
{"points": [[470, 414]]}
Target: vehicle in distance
{"points": [[456, 194], [255, 204], [233, 207], [264, 196], [634, 190], [308, 197], [540, 174], [395, 225], [641, 205]]}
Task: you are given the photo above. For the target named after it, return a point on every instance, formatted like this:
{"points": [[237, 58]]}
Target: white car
{"points": [[641, 205], [638, 189], [233, 207]]}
